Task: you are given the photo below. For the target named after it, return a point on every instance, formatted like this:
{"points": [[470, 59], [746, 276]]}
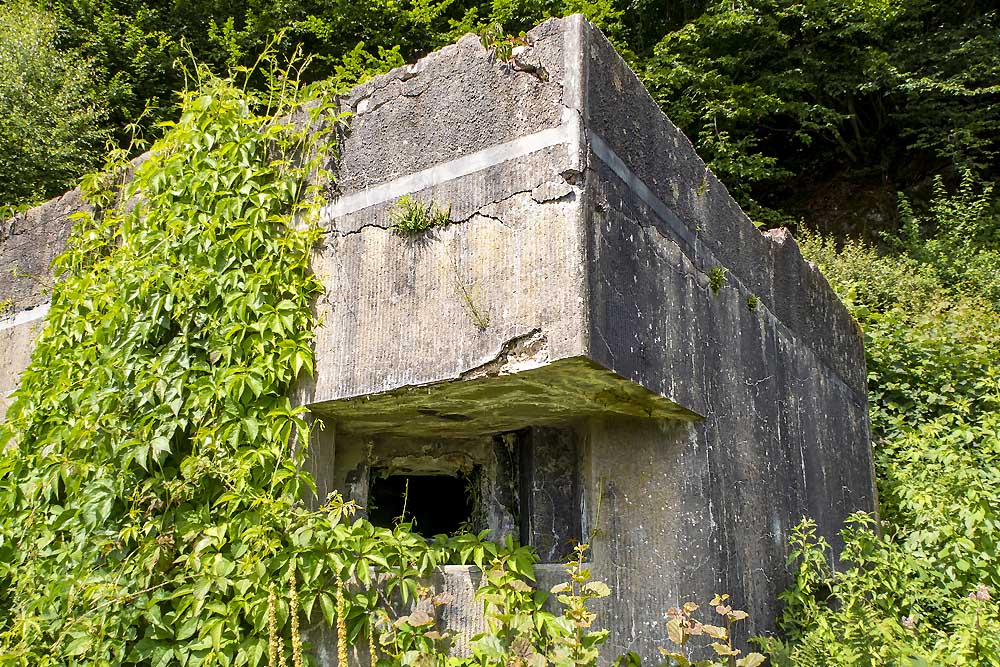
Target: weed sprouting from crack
{"points": [[410, 216]]}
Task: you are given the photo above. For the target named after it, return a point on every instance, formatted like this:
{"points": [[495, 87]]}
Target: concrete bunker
{"points": [[575, 351], [502, 448], [565, 346]]}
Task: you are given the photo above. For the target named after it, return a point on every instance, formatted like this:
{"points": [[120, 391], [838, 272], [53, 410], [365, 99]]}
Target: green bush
{"points": [[902, 594], [958, 235], [870, 281], [885, 607]]}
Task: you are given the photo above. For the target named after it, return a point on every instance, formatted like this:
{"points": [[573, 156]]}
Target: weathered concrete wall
{"points": [[771, 359], [459, 129], [28, 243], [17, 337], [645, 176], [568, 313]]}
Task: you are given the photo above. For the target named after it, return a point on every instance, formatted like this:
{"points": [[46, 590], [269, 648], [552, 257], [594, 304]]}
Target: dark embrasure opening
{"points": [[435, 504]]}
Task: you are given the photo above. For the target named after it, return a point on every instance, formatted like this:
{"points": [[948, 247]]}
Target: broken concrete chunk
{"points": [[362, 105]]}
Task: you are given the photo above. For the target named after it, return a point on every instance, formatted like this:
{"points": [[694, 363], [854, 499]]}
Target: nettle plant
{"points": [[151, 502], [523, 634]]}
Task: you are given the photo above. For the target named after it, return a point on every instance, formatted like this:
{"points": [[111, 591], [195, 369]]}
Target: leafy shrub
{"points": [[959, 236], [682, 627], [931, 364], [939, 488], [901, 595], [521, 632], [145, 476], [884, 608], [932, 342], [870, 281]]}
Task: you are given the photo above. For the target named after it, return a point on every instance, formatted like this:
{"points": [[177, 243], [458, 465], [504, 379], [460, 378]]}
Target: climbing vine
{"points": [[151, 492], [147, 488]]}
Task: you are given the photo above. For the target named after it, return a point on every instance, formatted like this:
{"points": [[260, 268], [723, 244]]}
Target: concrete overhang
{"points": [[476, 404]]}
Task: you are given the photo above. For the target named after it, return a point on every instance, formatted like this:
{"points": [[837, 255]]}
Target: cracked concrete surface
{"points": [[468, 101]]}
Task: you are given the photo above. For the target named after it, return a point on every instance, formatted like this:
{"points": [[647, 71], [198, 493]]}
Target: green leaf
{"points": [[78, 646], [162, 656], [188, 628]]}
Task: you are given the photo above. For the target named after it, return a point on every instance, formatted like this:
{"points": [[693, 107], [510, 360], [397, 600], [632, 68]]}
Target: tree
{"points": [[778, 92], [50, 113]]}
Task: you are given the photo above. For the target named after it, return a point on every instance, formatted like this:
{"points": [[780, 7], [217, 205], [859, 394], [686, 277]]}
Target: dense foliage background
{"points": [[815, 109], [871, 126]]}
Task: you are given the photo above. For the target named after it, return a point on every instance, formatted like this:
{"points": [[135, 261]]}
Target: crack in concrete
{"points": [[495, 202], [607, 345], [485, 215], [410, 91], [368, 225], [478, 212], [359, 112]]}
